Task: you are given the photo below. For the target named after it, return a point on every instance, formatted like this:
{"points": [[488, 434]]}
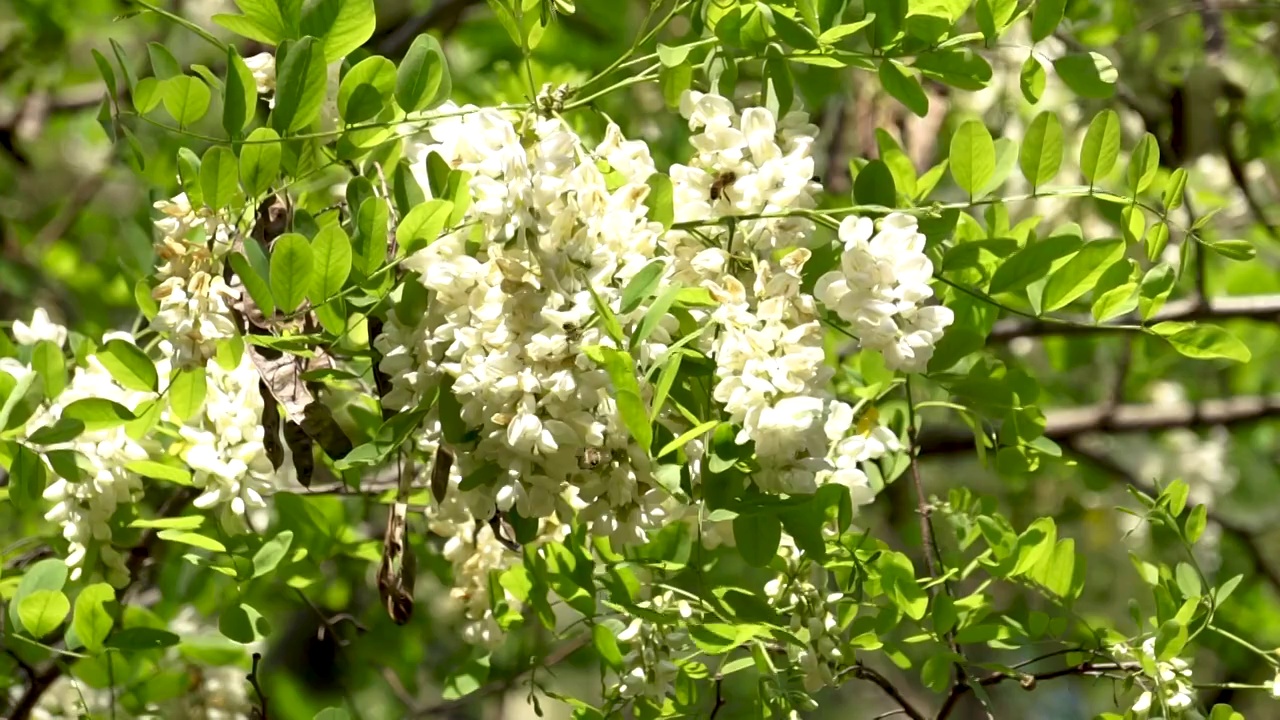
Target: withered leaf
{"points": [[397, 574], [440, 473]]}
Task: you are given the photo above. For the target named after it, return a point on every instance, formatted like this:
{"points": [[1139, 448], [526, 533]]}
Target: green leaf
{"points": [[193, 539], [1101, 146], [422, 226], [218, 182], [973, 157], [1031, 80], [138, 639], [271, 553], [46, 575], [98, 413], [1232, 249], [43, 611], [187, 392], [757, 537], [1155, 288], [1081, 272], [129, 365], [245, 27], [903, 86], [1057, 573], [342, 25], [301, 82], [185, 98], [163, 64], [631, 407], [1202, 341], [1157, 240], [1090, 75], [1041, 154], [291, 270], [606, 645], [27, 478], [1115, 302], [1032, 263], [673, 81], [254, 283], [49, 363], [371, 235], [1143, 164], [260, 161], [366, 89], [423, 80], [331, 252], [660, 200], [1046, 17], [64, 430], [642, 286], [91, 622], [160, 471], [1170, 639], [874, 185], [182, 522], [1196, 522], [333, 713], [147, 95], [1175, 190], [240, 95]]}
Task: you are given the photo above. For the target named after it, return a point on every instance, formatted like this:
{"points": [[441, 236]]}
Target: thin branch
{"points": [[932, 557], [862, 672], [1243, 307], [252, 677], [1067, 424], [1028, 681], [715, 709]]}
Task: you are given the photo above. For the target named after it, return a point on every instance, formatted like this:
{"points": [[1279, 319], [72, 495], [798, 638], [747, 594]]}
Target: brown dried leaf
{"points": [[440, 473]]}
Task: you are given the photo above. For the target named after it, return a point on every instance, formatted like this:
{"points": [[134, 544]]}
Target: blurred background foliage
{"points": [[1202, 75]]}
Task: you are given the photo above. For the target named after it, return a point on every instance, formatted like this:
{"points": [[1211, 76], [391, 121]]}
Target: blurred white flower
{"points": [[41, 328]]}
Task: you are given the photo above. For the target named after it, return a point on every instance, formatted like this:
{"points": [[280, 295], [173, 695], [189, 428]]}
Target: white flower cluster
{"points": [[195, 301], [1168, 691], [648, 669], [84, 505], [554, 227], [507, 324], [224, 445], [812, 611], [880, 290]]}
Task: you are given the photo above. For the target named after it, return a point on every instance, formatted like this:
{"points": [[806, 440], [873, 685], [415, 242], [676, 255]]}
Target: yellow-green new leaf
{"points": [[1081, 272], [43, 611], [91, 622]]}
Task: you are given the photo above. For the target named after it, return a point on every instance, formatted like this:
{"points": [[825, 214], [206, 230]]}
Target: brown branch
{"points": [[932, 557], [260, 712], [1028, 681], [862, 672], [1243, 307], [1065, 425]]}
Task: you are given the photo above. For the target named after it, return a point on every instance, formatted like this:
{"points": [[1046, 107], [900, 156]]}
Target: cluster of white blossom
{"points": [[554, 227], [194, 300], [649, 671], [224, 446], [881, 289], [1168, 692], [84, 505], [507, 324], [800, 593]]}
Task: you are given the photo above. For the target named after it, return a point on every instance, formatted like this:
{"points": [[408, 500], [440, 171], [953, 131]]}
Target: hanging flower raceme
{"points": [[882, 288], [1167, 689]]}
